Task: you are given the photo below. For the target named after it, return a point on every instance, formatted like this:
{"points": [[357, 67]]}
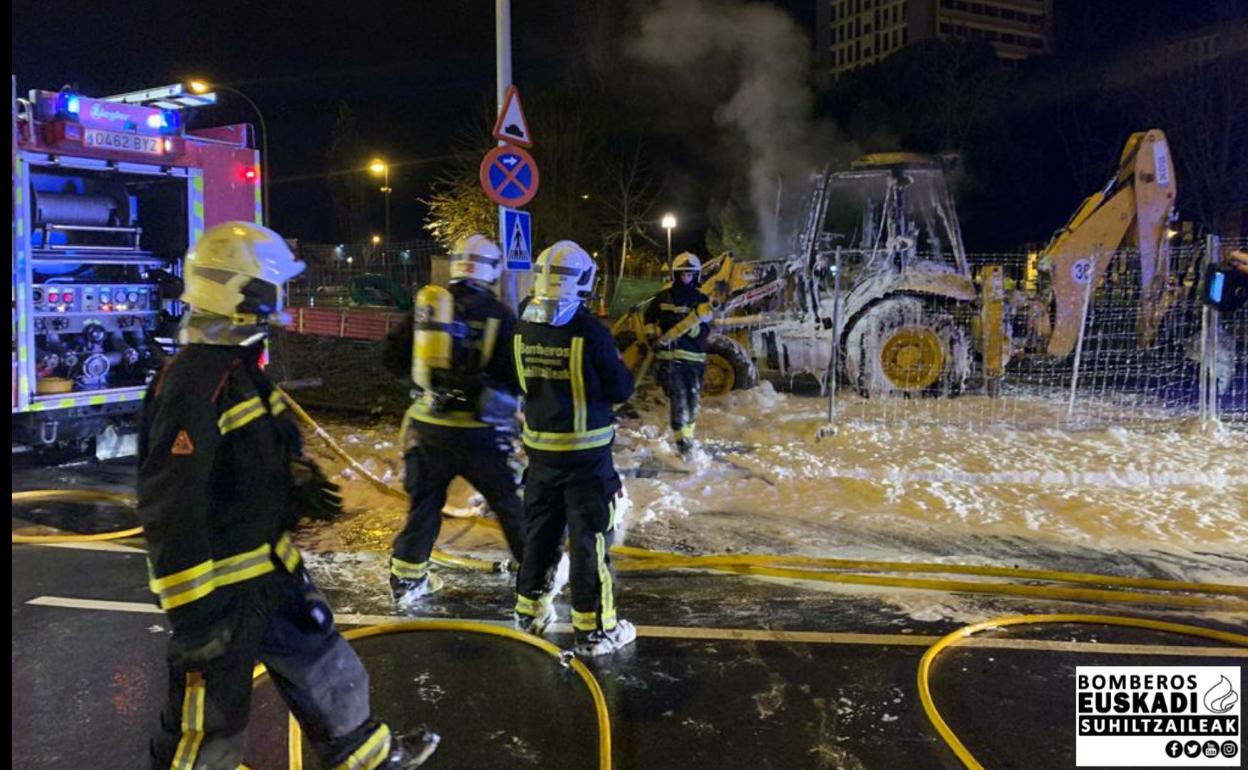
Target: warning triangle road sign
{"points": [[511, 127]]}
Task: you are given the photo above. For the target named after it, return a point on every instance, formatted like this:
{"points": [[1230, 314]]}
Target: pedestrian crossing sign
{"points": [[517, 237]]}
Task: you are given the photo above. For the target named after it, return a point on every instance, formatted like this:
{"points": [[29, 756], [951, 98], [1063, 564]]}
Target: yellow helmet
{"points": [[687, 262], [237, 270], [563, 278]]}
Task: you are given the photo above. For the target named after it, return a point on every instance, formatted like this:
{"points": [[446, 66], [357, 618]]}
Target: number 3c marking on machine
{"points": [[1081, 271]]}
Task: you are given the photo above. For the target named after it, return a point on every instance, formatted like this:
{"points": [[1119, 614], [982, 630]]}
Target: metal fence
{"points": [[1194, 366], [334, 268]]}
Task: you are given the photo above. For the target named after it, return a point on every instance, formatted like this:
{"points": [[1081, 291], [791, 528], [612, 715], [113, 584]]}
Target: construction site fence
{"points": [[1195, 368], [332, 268]]}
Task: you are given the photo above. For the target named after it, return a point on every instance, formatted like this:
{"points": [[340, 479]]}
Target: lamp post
{"points": [[202, 87], [669, 224], [379, 166]]}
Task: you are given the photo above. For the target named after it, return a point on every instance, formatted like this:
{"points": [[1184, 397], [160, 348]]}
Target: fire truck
{"points": [[108, 194]]}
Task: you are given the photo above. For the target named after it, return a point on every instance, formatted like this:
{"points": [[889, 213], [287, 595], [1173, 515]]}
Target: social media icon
{"points": [[1211, 749], [1192, 749], [1229, 748], [1174, 749]]}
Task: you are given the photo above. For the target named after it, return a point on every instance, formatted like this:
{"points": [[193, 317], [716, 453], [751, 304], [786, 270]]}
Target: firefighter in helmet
{"points": [[571, 374], [222, 481], [462, 421], [678, 323]]}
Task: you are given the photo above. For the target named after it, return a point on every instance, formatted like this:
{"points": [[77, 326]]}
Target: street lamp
{"points": [[202, 87], [669, 224], [379, 166]]}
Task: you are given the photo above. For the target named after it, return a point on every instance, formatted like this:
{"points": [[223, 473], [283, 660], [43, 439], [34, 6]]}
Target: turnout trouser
{"points": [[280, 620], [586, 508], [481, 456], [682, 383]]}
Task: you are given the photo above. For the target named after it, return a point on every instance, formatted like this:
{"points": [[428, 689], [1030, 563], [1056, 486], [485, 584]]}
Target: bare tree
{"points": [[348, 190], [627, 205], [568, 151], [1203, 109]]}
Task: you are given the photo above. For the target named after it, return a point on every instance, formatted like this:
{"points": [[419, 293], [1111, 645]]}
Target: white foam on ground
{"points": [[768, 485]]}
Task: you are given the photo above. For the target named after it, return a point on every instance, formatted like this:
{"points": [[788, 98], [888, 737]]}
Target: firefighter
{"points": [[221, 483], [678, 323], [462, 422], [571, 374]]}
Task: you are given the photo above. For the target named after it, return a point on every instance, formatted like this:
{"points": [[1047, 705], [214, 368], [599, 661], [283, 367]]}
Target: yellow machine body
{"points": [[1134, 210]]}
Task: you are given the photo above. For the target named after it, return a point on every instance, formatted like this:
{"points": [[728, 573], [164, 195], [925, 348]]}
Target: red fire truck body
{"points": [[107, 198]]}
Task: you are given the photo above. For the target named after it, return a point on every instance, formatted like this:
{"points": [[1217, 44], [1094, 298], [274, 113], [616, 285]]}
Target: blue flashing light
{"points": [[172, 119], [67, 104], [165, 121]]}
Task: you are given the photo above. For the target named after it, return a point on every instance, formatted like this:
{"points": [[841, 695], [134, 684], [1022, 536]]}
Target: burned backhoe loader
{"points": [[1133, 210], [908, 305], [904, 278]]}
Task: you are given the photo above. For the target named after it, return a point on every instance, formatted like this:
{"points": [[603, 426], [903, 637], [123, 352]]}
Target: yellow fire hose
{"points": [[438, 557], [925, 665], [756, 564], [812, 568], [294, 734], [902, 566], [76, 496], [821, 569]]}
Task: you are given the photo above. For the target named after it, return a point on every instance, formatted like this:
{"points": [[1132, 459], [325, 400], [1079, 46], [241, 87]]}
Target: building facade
{"points": [[856, 33]]}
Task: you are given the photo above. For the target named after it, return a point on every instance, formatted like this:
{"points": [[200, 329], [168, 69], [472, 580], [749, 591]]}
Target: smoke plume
{"points": [[755, 61]]}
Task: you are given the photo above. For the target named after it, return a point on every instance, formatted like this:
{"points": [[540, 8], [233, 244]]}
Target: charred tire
{"points": [[728, 367], [899, 347]]}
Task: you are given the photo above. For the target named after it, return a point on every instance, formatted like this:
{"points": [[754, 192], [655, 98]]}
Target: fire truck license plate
{"points": [[113, 140]]}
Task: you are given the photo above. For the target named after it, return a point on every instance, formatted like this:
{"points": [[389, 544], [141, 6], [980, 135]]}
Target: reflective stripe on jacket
{"points": [[215, 445]]}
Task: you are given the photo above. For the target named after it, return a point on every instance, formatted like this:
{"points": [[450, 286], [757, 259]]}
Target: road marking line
{"points": [[95, 604], [746, 634]]}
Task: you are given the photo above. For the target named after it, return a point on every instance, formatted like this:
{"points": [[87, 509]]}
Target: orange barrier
{"points": [[349, 323]]}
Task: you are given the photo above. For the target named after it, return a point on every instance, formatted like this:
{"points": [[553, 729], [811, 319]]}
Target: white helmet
{"points": [[476, 258], [237, 270], [687, 262], [564, 277]]}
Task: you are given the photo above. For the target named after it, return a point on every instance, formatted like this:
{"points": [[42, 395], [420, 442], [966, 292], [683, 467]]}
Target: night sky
{"points": [[417, 73]]}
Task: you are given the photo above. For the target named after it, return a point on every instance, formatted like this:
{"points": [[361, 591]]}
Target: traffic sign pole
{"points": [[502, 60]]}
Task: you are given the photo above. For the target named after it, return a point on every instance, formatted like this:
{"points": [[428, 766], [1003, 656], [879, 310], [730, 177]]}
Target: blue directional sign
{"points": [[516, 229], [509, 176]]}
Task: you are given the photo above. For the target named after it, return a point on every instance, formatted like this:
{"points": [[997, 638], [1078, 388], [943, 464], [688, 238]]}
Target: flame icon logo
{"points": [[1222, 697]]}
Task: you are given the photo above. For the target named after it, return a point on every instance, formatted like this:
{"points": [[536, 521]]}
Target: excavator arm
{"points": [[1133, 209]]}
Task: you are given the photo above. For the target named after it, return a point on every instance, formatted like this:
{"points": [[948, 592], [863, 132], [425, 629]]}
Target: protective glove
{"points": [[201, 645], [313, 495]]}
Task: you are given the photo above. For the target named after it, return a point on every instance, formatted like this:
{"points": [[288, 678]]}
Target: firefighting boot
{"points": [[537, 624], [407, 592], [599, 642], [411, 751]]}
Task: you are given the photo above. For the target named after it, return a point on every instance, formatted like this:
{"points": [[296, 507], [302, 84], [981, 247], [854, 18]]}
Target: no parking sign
{"points": [[509, 176]]}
